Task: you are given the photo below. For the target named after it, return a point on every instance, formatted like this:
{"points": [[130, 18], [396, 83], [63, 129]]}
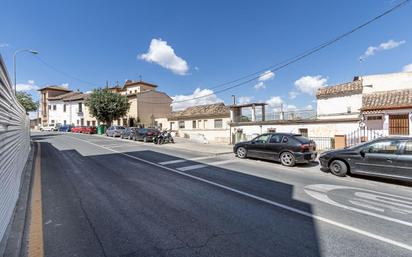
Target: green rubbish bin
{"points": [[101, 129]]}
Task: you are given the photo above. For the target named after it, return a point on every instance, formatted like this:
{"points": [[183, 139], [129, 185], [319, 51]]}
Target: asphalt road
{"points": [[112, 197]]}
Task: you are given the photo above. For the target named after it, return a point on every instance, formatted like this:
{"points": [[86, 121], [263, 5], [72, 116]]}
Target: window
{"points": [[49, 107], [81, 122], [263, 139], [303, 132], [52, 121], [374, 117], [88, 123], [78, 122], [94, 123], [135, 91], [54, 107], [349, 109], [181, 124], [171, 125], [64, 122], [271, 130], [194, 124], [64, 108], [219, 123], [384, 147], [275, 139], [80, 107], [408, 148]]}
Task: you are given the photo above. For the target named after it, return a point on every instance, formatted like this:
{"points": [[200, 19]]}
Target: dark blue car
{"points": [[65, 128]]}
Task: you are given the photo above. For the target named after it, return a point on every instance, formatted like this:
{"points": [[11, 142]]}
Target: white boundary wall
{"points": [[14, 148]]}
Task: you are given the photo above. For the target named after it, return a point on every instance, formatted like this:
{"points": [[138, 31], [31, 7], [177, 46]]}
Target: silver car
{"points": [[114, 131]]}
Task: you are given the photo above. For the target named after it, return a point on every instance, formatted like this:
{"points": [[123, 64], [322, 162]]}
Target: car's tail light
{"points": [[304, 147]]}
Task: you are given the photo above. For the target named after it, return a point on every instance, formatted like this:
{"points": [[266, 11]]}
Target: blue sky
{"points": [[202, 44]]}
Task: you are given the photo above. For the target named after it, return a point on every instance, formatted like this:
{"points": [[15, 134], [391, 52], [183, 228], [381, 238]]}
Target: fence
{"points": [[324, 143], [362, 135], [14, 147]]}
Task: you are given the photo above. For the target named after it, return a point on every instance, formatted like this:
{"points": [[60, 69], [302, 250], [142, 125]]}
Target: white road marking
{"points": [[320, 191], [192, 167], [273, 203], [186, 160]]}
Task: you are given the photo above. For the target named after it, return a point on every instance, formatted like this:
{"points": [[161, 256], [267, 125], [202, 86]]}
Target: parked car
{"points": [[287, 148], [51, 127], [65, 128], [129, 132], [77, 129], [88, 130], [114, 131], [146, 134], [389, 157]]}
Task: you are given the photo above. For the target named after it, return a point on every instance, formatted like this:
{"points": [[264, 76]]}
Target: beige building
{"points": [[203, 123], [146, 104]]}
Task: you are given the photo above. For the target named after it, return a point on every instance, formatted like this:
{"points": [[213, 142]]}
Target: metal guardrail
{"points": [[14, 148]]}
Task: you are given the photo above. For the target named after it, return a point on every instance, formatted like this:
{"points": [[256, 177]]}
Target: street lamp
{"points": [[14, 64]]}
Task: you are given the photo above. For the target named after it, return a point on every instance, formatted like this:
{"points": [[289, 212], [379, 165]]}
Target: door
{"points": [[399, 124], [274, 146], [379, 158], [257, 147], [403, 167]]}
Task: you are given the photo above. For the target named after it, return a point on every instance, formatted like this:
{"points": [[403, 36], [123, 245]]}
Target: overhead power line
{"points": [[296, 58], [64, 73]]}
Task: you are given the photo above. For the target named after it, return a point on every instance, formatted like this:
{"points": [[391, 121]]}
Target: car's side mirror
{"points": [[362, 153]]}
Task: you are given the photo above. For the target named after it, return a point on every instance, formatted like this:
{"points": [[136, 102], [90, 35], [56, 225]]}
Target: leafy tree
{"points": [[26, 100], [107, 106]]}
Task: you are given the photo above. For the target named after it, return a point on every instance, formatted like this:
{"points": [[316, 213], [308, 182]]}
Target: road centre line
{"points": [[270, 202]]}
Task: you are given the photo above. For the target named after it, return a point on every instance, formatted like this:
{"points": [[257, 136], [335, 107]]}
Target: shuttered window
{"points": [[399, 124]]}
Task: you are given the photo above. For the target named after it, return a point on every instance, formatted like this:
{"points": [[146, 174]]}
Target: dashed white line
{"points": [[186, 160], [192, 167], [273, 203]]}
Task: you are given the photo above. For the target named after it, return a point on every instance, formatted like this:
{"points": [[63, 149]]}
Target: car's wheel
{"points": [[338, 168], [129, 137], [287, 159], [145, 139], [114, 135], [241, 152], [134, 138]]}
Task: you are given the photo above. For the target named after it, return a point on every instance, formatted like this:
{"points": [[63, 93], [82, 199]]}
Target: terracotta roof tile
{"points": [[350, 88], [78, 96], [387, 100], [209, 110], [62, 96]]}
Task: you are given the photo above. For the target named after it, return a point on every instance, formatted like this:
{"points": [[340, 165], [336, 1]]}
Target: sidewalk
{"points": [[189, 145]]}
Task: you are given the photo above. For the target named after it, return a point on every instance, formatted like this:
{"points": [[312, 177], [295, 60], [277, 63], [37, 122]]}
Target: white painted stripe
{"points": [[192, 167], [221, 162], [273, 203], [186, 160]]}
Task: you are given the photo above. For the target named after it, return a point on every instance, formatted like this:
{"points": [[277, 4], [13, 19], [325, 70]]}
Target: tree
{"points": [[107, 106], [26, 100]]}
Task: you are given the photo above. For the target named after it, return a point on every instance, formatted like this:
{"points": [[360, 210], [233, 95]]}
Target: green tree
{"points": [[26, 100], [107, 106]]}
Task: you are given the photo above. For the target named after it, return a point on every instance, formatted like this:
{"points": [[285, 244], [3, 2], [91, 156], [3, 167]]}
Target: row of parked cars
{"points": [[133, 133], [387, 157]]}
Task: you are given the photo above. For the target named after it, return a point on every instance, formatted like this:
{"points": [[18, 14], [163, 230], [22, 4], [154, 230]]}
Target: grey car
{"points": [[115, 131]]}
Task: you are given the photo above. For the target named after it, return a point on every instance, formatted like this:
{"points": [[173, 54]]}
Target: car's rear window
{"points": [[302, 139]]}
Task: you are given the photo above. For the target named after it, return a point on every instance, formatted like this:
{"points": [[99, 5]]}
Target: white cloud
{"points": [[66, 85], [245, 99], [196, 68], [259, 85], [30, 85], [310, 84], [266, 76], [407, 67], [382, 46], [308, 107], [3, 45], [275, 101], [291, 107], [293, 94], [208, 97], [164, 55]]}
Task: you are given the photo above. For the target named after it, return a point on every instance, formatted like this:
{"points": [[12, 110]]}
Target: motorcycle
{"points": [[163, 138]]}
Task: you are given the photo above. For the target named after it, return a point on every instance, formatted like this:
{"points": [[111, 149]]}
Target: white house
{"points": [[203, 123]]}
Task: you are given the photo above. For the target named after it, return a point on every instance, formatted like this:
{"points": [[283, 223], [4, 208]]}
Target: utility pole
{"points": [[234, 99]]}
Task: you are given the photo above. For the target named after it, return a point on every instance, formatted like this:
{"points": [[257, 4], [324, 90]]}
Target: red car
{"points": [[77, 129], [89, 130]]}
